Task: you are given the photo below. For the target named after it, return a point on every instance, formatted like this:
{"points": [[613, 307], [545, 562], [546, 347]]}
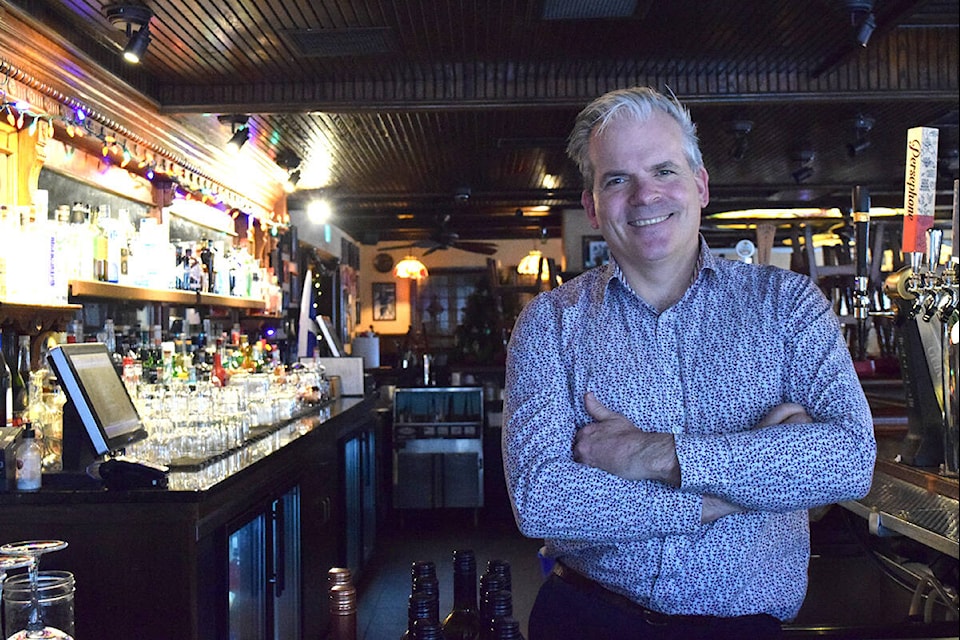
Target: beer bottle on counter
{"points": [[501, 568], [427, 629], [508, 628], [29, 456], [463, 622], [343, 604], [6, 390], [499, 604], [430, 586], [420, 606], [339, 575]]}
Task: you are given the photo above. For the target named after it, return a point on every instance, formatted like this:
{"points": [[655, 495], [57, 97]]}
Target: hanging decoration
{"points": [[117, 145], [410, 268]]}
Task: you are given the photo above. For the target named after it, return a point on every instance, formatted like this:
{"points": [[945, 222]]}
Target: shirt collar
{"points": [[705, 261]]}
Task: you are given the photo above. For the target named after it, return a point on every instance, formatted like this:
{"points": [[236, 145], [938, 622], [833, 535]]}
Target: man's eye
{"points": [[612, 182]]}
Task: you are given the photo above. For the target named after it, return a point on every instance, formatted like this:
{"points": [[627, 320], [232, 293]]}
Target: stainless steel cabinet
{"points": [[438, 447]]}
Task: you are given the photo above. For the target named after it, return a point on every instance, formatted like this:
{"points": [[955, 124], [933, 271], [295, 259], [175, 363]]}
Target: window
{"points": [[442, 298]]}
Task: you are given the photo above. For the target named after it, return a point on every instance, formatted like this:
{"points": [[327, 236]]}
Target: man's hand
{"points": [[617, 446], [785, 413]]}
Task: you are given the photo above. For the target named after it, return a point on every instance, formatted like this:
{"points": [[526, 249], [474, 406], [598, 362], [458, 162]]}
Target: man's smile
{"points": [[646, 222]]}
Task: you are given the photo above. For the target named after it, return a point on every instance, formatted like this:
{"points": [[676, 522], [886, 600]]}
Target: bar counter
{"points": [[157, 563]]}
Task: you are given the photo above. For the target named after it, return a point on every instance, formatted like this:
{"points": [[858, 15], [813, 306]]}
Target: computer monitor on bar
{"points": [[100, 418]]}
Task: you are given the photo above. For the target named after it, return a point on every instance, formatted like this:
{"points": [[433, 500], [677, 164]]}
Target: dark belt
{"points": [[582, 583]]}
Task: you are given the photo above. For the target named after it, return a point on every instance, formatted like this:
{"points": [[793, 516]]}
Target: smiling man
{"points": [[670, 417]]}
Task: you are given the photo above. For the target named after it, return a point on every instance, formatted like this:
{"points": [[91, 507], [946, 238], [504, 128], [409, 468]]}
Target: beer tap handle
{"points": [[955, 248], [861, 222], [934, 242], [915, 258]]}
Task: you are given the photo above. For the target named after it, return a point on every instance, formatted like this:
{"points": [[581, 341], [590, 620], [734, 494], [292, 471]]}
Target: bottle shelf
{"points": [[30, 319], [82, 289]]}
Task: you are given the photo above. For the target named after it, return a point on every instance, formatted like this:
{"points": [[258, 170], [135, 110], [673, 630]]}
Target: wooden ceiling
{"points": [[408, 111]]}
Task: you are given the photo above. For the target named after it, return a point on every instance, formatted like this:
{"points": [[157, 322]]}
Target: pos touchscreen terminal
{"points": [[99, 418]]}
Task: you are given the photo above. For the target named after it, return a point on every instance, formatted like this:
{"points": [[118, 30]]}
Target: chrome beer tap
{"points": [[861, 281]]}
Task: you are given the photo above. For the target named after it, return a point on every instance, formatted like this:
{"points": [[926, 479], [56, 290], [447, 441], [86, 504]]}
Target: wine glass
{"points": [[11, 562], [32, 550]]}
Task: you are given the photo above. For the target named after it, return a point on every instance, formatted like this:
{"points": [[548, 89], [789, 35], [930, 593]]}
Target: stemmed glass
{"points": [[32, 550], [11, 562]]}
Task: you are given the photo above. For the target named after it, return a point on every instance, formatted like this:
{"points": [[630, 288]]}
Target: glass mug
{"points": [[55, 592]]}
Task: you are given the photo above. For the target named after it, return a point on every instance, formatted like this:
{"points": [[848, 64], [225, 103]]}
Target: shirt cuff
{"points": [[704, 462]]}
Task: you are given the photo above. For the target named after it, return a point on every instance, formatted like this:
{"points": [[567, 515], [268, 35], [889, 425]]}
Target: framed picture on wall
{"points": [[384, 301], [595, 252]]}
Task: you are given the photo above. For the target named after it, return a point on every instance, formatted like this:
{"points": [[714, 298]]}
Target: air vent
{"points": [[587, 9], [330, 43]]}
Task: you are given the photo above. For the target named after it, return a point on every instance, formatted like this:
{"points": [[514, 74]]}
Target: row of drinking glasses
{"points": [[201, 420]]}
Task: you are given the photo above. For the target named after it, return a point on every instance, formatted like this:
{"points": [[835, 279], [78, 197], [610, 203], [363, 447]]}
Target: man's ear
{"points": [[586, 199], [703, 187]]}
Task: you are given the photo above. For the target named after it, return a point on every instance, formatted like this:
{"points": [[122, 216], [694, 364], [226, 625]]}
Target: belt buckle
{"points": [[654, 618]]}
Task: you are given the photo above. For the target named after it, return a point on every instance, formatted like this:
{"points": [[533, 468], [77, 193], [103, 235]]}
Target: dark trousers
{"points": [[564, 611]]}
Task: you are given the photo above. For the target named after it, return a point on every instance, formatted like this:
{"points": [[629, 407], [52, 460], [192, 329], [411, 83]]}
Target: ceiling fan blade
{"points": [[432, 249], [419, 244], [485, 248]]}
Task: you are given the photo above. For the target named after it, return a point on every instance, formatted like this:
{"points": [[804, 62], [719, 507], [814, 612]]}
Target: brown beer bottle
{"points": [[463, 622], [343, 612]]}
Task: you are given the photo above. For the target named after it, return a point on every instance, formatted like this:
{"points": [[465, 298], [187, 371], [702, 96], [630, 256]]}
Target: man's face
{"points": [[645, 198]]}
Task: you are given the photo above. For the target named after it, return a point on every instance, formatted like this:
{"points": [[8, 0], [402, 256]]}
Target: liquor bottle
{"points": [[499, 604], [507, 628], [18, 388], [430, 586], [427, 629], [206, 259], [20, 380], [6, 391], [218, 375], [343, 612], [463, 621], [501, 568], [488, 582], [29, 456], [100, 248], [339, 575], [420, 606]]}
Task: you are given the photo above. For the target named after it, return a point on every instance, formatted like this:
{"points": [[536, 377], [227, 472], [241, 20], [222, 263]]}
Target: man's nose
{"points": [[643, 192]]}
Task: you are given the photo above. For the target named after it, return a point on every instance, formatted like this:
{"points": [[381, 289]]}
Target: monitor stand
{"points": [[78, 453], [77, 456]]}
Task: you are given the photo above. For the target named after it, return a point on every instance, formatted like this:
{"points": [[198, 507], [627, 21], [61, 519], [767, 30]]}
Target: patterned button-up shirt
{"points": [[743, 339]]}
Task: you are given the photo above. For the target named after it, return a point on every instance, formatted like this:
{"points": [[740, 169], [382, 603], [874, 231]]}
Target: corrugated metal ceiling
{"points": [[412, 99]]}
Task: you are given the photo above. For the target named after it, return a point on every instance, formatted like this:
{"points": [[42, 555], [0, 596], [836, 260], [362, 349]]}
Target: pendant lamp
{"points": [[530, 265], [410, 268]]}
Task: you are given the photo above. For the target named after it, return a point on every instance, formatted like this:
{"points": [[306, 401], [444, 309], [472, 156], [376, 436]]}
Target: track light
{"points": [[137, 46], [134, 20], [865, 30], [861, 126], [805, 171], [291, 184], [740, 130], [856, 148], [238, 139], [861, 19], [240, 131]]}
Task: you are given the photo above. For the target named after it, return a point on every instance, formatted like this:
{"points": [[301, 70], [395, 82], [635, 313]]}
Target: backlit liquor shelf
{"points": [[87, 289], [27, 319]]}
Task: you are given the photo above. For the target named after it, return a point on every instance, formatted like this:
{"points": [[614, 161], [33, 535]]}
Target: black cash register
{"points": [[100, 419]]}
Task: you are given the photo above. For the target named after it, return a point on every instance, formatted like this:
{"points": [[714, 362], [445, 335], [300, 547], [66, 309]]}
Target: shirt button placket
{"points": [[670, 365]]}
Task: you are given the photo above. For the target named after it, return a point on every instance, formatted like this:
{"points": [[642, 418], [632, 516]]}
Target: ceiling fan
{"points": [[443, 238]]}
